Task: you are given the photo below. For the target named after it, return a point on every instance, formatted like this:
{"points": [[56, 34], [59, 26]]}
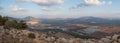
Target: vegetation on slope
{"points": [[31, 35], [4, 21], [76, 35]]}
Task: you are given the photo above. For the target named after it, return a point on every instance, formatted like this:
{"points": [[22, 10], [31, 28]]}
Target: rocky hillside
{"points": [[14, 36], [25, 36]]}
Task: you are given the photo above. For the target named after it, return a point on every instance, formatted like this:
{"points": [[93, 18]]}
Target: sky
{"points": [[60, 8]]}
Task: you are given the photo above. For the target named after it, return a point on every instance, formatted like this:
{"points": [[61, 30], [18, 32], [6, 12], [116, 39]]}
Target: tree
{"points": [[23, 24], [8, 24], [3, 20], [20, 25], [12, 23]]}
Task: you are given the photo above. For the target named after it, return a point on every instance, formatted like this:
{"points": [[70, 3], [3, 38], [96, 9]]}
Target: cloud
{"points": [[22, 0], [80, 5], [110, 2], [44, 2], [51, 8], [1, 7], [16, 8], [87, 3], [47, 2], [94, 2], [46, 9]]}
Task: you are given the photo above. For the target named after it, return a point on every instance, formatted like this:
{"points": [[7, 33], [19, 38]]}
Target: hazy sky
{"points": [[60, 8]]}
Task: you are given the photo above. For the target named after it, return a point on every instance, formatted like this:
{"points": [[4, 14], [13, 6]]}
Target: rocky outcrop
{"points": [[21, 36], [14, 36]]}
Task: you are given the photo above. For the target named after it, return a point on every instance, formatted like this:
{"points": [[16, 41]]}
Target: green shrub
{"points": [[4, 21], [31, 35], [8, 24]]}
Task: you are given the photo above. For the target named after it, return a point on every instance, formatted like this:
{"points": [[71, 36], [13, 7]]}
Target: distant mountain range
{"points": [[82, 20], [87, 20], [28, 18], [96, 21], [12, 18], [25, 18]]}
